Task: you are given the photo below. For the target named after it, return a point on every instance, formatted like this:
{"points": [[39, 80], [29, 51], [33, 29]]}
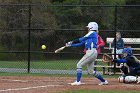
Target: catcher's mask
{"points": [[128, 51]]}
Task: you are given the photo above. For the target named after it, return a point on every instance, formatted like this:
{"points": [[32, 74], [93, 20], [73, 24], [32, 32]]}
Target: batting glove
{"points": [[68, 45], [70, 42]]}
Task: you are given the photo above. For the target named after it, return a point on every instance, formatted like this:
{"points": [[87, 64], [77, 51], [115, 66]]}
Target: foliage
{"points": [[45, 19], [4, 56]]}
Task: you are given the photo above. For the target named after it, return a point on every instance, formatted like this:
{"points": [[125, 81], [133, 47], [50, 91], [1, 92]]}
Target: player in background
{"points": [[119, 44], [100, 44], [90, 41], [133, 64]]}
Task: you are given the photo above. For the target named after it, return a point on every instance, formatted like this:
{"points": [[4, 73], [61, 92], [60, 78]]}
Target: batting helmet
{"points": [[92, 26], [128, 51]]}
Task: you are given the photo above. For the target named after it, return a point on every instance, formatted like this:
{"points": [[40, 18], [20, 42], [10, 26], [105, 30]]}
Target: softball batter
{"points": [[90, 42]]}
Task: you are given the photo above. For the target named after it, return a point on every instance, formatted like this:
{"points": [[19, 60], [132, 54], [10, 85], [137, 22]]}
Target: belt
{"points": [[90, 48]]}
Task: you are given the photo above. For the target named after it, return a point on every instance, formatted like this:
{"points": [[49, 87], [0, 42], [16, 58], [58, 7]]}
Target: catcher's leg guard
{"points": [[124, 69], [127, 79]]}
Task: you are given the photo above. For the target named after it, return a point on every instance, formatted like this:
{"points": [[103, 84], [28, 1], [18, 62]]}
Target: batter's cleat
{"points": [[76, 83], [104, 83]]}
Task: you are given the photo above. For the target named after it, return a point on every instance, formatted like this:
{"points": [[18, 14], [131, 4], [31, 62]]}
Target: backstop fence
{"points": [[25, 27]]}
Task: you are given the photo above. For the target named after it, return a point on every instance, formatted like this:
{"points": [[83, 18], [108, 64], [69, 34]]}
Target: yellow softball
{"points": [[43, 46]]}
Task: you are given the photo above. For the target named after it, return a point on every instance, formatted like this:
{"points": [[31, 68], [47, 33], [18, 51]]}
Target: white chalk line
{"points": [[28, 88], [15, 80], [24, 81], [18, 80], [81, 83]]}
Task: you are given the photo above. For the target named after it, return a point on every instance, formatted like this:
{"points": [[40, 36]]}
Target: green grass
{"points": [[99, 91], [13, 64], [55, 64], [21, 74], [63, 64], [52, 75], [52, 64]]}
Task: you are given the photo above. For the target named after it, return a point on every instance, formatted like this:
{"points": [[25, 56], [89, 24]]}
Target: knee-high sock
{"points": [[99, 76], [79, 74]]}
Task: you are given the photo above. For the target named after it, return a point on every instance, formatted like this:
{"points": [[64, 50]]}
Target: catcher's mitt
{"points": [[107, 58]]}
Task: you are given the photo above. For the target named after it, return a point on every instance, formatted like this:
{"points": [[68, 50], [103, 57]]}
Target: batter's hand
{"points": [[68, 45], [70, 42]]}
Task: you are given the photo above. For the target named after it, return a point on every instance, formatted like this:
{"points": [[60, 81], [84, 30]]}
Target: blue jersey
{"points": [[90, 40], [131, 61], [119, 43]]}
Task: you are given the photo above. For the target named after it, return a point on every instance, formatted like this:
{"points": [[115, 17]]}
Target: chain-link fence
{"points": [[24, 28]]}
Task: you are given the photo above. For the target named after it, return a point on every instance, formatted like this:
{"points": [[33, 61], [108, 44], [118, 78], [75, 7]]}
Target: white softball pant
{"points": [[88, 59]]}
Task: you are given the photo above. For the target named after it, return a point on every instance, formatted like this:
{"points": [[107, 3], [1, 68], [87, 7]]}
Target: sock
{"points": [[99, 76], [79, 74]]}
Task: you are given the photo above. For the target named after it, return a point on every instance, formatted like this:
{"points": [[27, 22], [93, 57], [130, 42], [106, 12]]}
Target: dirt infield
{"points": [[45, 84]]}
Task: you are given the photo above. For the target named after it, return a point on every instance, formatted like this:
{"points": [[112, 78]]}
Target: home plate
{"points": [[80, 84]]}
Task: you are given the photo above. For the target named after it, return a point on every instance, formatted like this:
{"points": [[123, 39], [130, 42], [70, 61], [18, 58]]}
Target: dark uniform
{"points": [[133, 66], [132, 62]]}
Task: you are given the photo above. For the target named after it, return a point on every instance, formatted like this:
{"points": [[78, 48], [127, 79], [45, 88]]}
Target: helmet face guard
{"points": [[128, 51]]}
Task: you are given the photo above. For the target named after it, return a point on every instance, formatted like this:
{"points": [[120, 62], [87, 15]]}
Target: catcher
{"points": [[131, 61]]}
